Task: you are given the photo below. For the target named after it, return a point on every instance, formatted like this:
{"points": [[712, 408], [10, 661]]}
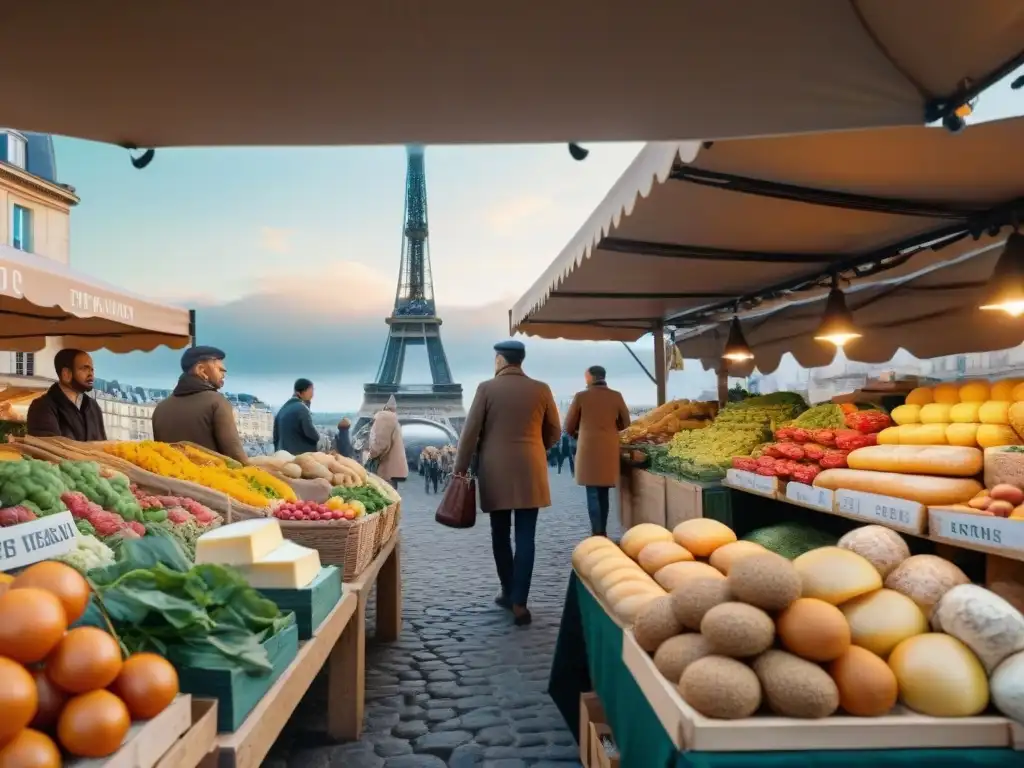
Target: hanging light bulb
{"points": [[736, 347], [837, 323], [1005, 290]]}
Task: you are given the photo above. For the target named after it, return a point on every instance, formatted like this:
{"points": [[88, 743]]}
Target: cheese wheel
{"points": [[658, 554], [620, 576], [608, 565], [1007, 685], [948, 394], [702, 535], [836, 575], [639, 536], [867, 687], [906, 414], [946, 460], [964, 413], [965, 435], [881, 620], [939, 676], [995, 412], [930, 491], [588, 545], [589, 562], [1003, 390], [934, 413], [975, 392], [677, 575], [920, 396], [996, 435], [628, 588], [726, 555], [981, 620]]}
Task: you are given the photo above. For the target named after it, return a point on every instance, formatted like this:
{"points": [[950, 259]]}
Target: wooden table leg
{"points": [[346, 679], [389, 597]]}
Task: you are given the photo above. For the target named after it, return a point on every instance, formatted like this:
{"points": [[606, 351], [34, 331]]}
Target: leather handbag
{"points": [[458, 505]]}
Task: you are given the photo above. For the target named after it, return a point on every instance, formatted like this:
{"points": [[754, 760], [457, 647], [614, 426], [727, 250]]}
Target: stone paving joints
{"points": [[462, 686]]}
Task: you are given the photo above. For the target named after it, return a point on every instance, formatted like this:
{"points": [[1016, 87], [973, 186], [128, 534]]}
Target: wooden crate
{"points": [[626, 498], [147, 740], [195, 744], [591, 711], [648, 502]]}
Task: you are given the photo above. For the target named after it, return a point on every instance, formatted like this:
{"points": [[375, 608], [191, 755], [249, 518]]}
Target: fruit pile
{"points": [[856, 626], [67, 687], [1003, 500], [104, 523], [336, 508], [184, 518]]}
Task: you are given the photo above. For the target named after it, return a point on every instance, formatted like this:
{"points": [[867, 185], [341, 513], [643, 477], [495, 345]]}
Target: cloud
{"points": [[510, 214], [276, 240]]}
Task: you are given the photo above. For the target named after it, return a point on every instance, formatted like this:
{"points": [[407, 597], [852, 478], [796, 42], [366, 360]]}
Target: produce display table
{"points": [[589, 656], [649, 497]]}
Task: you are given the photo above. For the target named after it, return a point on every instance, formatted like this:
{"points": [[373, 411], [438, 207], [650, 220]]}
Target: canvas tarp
{"points": [[322, 72], [40, 297], [665, 246]]}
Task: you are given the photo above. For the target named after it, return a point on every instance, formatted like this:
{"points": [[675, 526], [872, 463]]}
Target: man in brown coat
{"points": [[196, 411], [510, 427], [595, 418]]}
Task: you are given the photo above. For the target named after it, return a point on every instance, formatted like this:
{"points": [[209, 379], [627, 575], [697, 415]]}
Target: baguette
{"points": [[924, 489], [947, 460]]}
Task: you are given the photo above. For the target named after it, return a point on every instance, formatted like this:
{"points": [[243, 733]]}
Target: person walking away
{"points": [[343, 440], [565, 452], [196, 411], [511, 424], [595, 418], [434, 471], [65, 409], [293, 425], [386, 445]]}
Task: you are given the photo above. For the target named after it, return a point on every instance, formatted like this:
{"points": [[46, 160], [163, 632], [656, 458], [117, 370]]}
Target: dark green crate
{"points": [[312, 603], [237, 692], [716, 502]]}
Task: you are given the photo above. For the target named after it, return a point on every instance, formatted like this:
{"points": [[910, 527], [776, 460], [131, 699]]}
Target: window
{"points": [[21, 228], [13, 145], [24, 363]]}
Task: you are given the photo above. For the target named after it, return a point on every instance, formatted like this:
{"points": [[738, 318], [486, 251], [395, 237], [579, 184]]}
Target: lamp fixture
{"points": [[736, 348], [1005, 291], [837, 322]]}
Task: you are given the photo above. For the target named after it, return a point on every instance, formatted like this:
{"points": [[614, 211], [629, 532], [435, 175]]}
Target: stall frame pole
{"points": [[192, 326], [660, 374]]}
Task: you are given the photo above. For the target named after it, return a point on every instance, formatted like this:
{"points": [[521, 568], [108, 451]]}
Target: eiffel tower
{"points": [[414, 322]]}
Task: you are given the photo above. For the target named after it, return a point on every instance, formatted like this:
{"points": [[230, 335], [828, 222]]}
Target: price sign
{"points": [[41, 539], [898, 514], [809, 496], [978, 530], [751, 481]]}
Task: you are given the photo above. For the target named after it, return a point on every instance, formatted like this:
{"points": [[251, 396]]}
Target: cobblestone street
{"points": [[462, 686]]}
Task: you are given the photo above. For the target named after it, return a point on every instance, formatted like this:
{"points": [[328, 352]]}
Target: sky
{"points": [[291, 256]]}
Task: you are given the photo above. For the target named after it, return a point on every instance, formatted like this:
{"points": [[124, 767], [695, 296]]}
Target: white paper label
{"points": [[751, 481], [819, 498], [898, 514], [41, 539], [977, 529]]}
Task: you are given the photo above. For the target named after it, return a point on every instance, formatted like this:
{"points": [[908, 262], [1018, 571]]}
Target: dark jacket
{"points": [[293, 428], [343, 443], [197, 413], [54, 415]]}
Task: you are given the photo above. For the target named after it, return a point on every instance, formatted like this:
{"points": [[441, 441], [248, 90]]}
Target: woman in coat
{"points": [[343, 440], [595, 418], [386, 445]]}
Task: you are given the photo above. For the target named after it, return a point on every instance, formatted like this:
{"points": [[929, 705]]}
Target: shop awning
{"points": [[322, 72], [40, 298], [691, 232]]}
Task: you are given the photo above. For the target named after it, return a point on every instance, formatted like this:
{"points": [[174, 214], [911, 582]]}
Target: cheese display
{"points": [[836, 575], [939, 676], [925, 579], [639, 536], [881, 620], [882, 547], [658, 554], [241, 543], [289, 566], [702, 536], [982, 621]]}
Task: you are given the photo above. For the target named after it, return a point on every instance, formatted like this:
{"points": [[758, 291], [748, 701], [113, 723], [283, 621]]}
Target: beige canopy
{"points": [[40, 298], [690, 232], [256, 72]]}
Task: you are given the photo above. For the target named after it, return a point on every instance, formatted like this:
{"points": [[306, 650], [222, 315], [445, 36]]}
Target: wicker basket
{"points": [[348, 544], [386, 528]]}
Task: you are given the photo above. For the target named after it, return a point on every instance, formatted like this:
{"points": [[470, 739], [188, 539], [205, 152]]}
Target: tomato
{"points": [[86, 659], [62, 580], [51, 701], [93, 724], [32, 622], [147, 684], [18, 698], [30, 749]]}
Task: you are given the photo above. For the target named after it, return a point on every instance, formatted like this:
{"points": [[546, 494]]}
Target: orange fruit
{"points": [[51, 701], [86, 659], [18, 698], [32, 622], [147, 684], [93, 724], [65, 582], [30, 749]]}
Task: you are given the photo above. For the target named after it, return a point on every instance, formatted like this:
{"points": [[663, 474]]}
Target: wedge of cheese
{"points": [[241, 543], [290, 566]]}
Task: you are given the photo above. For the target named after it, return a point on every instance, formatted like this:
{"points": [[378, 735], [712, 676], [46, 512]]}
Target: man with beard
{"points": [[65, 410], [196, 411]]}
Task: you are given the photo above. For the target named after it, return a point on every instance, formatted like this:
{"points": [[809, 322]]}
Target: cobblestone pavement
{"points": [[462, 686]]}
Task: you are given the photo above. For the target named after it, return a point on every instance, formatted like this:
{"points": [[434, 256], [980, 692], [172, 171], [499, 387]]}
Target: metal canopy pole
{"points": [[660, 374]]}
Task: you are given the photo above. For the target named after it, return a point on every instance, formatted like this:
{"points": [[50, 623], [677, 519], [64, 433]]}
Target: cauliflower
{"points": [[90, 553]]}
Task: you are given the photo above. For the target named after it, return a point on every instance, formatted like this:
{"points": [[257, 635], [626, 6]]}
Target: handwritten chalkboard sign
{"points": [[41, 539]]}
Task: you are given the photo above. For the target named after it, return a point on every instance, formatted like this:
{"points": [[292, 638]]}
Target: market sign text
{"points": [[11, 281], [101, 305]]}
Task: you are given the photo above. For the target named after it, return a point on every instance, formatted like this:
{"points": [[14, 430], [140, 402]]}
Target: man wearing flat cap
{"points": [[196, 411], [510, 427]]}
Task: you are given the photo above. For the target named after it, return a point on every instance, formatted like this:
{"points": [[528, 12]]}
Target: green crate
{"points": [[716, 502], [312, 603], [237, 692]]}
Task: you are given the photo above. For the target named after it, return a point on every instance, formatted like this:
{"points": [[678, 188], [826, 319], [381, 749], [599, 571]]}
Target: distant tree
{"points": [[737, 393]]}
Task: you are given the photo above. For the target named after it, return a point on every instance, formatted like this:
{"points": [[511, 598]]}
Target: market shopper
{"points": [[595, 418], [387, 449], [65, 409], [510, 427], [565, 451], [343, 440], [196, 411], [294, 430]]}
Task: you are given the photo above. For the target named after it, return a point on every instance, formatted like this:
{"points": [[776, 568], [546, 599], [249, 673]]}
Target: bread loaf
{"points": [[947, 460], [930, 491]]}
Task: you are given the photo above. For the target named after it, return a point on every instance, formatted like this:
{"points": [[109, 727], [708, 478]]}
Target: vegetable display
{"points": [[336, 508], [660, 424], [113, 495], [367, 495], [36, 485]]}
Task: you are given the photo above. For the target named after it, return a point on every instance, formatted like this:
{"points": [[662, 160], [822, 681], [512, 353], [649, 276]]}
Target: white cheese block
{"points": [[290, 566], [241, 543], [982, 621]]}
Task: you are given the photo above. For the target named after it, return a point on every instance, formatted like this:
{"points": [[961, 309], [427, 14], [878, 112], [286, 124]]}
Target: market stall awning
{"points": [[324, 72], [40, 298], [690, 231]]}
